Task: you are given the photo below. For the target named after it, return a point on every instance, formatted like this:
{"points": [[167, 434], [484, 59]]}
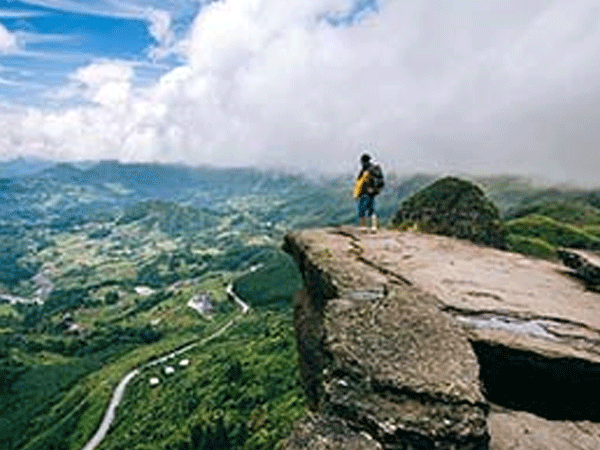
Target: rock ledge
{"points": [[401, 334]]}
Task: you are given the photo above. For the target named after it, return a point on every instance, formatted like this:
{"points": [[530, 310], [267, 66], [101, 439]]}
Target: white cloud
{"points": [[25, 37], [100, 73], [430, 85], [160, 25], [14, 14], [108, 8], [105, 83], [8, 41]]}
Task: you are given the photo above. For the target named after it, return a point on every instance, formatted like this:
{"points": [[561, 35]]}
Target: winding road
{"points": [[109, 415]]}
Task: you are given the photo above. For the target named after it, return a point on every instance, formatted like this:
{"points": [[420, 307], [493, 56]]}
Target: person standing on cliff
{"points": [[369, 183]]}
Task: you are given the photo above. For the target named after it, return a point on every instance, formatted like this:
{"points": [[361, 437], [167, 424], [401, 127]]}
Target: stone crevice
{"points": [[552, 388], [384, 271]]}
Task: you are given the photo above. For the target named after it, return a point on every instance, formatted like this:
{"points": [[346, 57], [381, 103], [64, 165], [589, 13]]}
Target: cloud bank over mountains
{"points": [[428, 85]]}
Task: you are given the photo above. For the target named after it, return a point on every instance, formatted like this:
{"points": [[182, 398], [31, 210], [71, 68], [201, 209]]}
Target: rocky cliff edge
{"points": [[414, 341]]}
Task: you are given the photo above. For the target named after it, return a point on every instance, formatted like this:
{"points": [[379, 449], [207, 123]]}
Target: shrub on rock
{"points": [[453, 207]]}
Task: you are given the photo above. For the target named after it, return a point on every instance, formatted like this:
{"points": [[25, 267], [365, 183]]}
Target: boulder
{"points": [[585, 263]]}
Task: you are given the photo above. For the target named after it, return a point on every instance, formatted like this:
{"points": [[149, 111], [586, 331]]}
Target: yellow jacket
{"points": [[358, 186]]}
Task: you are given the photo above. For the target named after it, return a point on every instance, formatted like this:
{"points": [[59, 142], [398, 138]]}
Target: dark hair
{"points": [[365, 158]]}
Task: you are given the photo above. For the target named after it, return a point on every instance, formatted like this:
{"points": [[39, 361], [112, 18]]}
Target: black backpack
{"points": [[376, 182]]}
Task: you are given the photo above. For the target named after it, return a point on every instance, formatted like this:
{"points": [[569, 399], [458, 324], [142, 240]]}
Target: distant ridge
{"points": [[23, 166]]}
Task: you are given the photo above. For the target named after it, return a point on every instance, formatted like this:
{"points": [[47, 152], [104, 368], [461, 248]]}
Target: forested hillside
{"points": [[101, 266]]}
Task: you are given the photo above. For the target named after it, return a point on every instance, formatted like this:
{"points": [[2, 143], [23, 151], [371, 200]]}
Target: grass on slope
{"points": [[273, 282], [556, 233], [532, 246], [241, 391], [573, 212], [74, 419], [58, 404]]}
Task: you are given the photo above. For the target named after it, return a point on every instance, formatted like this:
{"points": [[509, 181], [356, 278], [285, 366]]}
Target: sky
{"points": [[438, 86]]}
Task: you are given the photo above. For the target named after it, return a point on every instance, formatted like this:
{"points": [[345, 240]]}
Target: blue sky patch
{"points": [[53, 42], [353, 15], [55, 37], [103, 36]]}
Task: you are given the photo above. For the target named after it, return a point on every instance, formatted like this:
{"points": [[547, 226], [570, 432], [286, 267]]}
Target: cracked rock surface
{"points": [[380, 355], [521, 430], [393, 329], [499, 287], [321, 432]]}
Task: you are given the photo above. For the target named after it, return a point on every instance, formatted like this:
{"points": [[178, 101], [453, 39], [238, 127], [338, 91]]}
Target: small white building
{"points": [[184, 362], [169, 370], [154, 381], [144, 291]]}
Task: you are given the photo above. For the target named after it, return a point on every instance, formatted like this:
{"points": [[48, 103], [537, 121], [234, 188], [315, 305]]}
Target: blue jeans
{"points": [[365, 205]]}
